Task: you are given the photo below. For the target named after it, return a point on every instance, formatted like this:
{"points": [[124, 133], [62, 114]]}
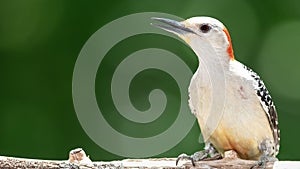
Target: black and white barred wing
{"points": [[269, 107]]}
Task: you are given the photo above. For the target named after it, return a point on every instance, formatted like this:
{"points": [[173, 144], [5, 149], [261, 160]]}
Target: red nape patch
{"points": [[229, 49]]}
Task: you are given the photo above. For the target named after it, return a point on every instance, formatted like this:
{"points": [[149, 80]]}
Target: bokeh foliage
{"points": [[40, 41]]}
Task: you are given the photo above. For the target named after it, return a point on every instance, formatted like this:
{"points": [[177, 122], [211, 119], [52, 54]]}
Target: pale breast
{"points": [[240, 125]]}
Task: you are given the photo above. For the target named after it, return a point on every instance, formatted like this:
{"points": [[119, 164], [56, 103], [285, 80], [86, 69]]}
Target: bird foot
{"points": [[261, 163], [198, 156]]}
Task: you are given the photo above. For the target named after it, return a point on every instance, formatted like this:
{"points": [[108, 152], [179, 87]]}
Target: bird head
{"points": [[205, 35]]}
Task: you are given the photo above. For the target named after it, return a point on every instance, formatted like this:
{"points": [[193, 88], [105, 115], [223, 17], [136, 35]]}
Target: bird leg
{"points": [[267, 147], [209, 151]]}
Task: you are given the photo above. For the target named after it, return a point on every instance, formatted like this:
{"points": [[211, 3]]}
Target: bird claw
{"points": [[263, 161], [261, 164], [185, 157], [199, 155]]}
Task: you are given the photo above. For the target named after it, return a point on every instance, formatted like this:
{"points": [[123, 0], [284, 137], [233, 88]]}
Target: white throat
{"points": [[213, 57]]}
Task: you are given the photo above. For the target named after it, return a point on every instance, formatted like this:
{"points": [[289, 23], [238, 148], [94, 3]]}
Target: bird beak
{"points": [[172, 26]]}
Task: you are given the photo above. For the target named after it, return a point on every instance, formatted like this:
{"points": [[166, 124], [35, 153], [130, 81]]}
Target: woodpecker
{"points": [[231, 103]]}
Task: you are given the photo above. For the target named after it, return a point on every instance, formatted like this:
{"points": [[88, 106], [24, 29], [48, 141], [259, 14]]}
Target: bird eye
{"points": [[205, 28]]}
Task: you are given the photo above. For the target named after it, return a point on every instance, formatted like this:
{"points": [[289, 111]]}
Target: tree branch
{"points": [[78, 159]]}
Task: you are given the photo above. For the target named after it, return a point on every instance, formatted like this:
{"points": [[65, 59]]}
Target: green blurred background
{"points": [[40, 41]]}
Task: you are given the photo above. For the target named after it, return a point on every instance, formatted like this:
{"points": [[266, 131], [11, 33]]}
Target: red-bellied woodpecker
{"points": [[232, 105]]}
